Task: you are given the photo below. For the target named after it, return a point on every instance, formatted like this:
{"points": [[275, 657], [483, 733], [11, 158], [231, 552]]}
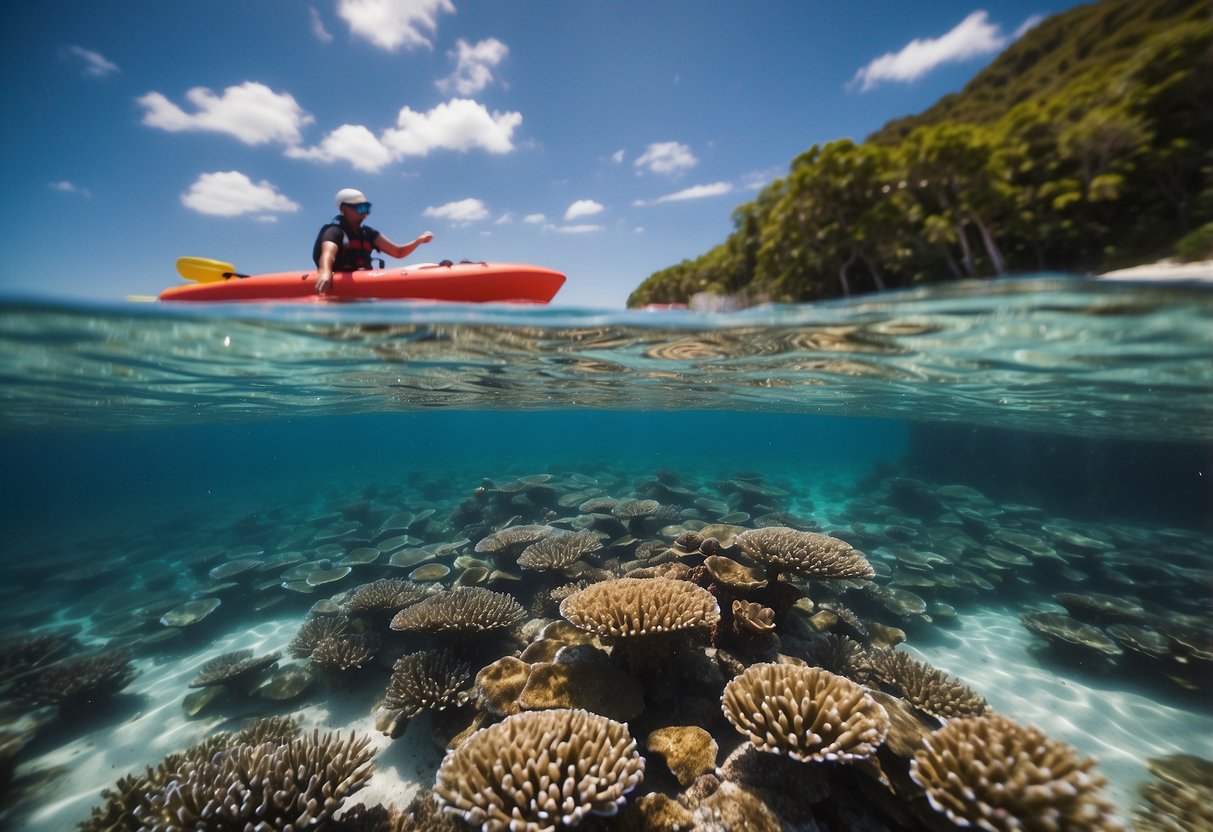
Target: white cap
{"points": [[350, 196]]}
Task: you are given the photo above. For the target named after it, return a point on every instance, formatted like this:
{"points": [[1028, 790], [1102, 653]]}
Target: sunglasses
{"points": [[363, 207]]}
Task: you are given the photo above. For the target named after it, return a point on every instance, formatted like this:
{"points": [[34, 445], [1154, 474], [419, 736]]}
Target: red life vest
{"points": [[354, 249]]}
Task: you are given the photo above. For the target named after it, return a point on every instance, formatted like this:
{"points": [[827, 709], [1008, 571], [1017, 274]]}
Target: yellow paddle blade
{"points": [[203, 270]]}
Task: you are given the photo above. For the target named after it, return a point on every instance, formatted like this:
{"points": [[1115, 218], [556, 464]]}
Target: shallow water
{"points": [[1063, 426]]}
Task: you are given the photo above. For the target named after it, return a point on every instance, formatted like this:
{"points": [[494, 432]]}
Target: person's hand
{"points": [[425, 238], [324, 280]]}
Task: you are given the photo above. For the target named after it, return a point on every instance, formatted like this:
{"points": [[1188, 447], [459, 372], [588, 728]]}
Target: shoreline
{"points": [[1199, 271]]}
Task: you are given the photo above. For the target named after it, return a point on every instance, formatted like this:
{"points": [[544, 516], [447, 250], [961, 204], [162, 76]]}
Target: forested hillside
{"points": [[1086, 145]]}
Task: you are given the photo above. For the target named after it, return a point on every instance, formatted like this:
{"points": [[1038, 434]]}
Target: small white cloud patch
{"points": [[231, 194], [391, 24], [583, 208], [698, 192], [461, 212], [318, 28], [474, 65], [666, 158], [92, 64], [573, 229], [66, 187]]}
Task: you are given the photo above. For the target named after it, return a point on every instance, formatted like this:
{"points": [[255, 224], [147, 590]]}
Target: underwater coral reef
{"points": [[609, 650]]}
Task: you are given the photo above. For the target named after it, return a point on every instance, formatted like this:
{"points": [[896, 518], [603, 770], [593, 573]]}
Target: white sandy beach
{"points": [[1200, 271]]}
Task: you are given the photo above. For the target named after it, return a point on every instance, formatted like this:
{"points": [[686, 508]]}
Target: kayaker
{"points": [[345, 243]]}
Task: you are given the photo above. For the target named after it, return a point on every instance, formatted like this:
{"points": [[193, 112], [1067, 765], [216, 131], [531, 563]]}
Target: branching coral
{"points": [[275, 729], [628, 607], [345, 652], [807, 713], [558, 550], [926, 688], [76, 683], [990, 772], [239, 670], [385, 596], [20, 654], [506, 544], [840, 654], [467, 609], [1181, 798], [809, 555], [289, 785], [425, 681], [314, 630], [649, 620], [539, 771]]}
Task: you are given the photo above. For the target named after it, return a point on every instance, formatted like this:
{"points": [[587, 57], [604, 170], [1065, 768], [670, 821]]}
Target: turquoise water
{"points": [[134, 437]]}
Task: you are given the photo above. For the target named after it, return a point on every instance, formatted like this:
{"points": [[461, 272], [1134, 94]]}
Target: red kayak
{"points": [[445, 282]]}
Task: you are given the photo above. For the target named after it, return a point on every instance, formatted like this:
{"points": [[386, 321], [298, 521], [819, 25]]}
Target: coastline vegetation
{"points": [[1086, 145]]}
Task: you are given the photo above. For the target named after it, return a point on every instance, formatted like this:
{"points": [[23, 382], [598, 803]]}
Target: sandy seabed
{"points": [[157, 726], [993, 653]]}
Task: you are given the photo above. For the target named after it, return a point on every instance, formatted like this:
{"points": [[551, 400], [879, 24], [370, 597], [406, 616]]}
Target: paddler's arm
{"points": [[324, 270], [388, 247]]}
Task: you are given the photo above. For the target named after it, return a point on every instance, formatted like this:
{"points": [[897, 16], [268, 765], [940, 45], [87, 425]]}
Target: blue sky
{"points": [[606, 139]]}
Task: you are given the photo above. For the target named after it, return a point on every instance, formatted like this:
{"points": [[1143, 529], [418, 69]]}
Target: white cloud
{"points": [[505, 219], [473, 65], [64, 186], [972, 37], [666, 157], [251, 112], [698, 192], [1031, 23], [390, 24], [459, 124], [583, 208], [92, 64], [573, 229], [617, 157], [758, 179], [535, 219], [318, 29], [462, 212], [231, 193], [694, 192], [351, 143]]}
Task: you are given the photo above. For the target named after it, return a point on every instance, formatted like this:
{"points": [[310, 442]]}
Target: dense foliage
{"points": [[1087, 144]]}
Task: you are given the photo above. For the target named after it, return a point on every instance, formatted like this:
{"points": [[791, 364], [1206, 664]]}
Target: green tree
{"points": [[960, 175], [1087, 143]]}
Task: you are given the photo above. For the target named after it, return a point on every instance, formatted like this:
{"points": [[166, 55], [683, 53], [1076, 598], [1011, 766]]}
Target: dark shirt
{"points": [[354, 247]]}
